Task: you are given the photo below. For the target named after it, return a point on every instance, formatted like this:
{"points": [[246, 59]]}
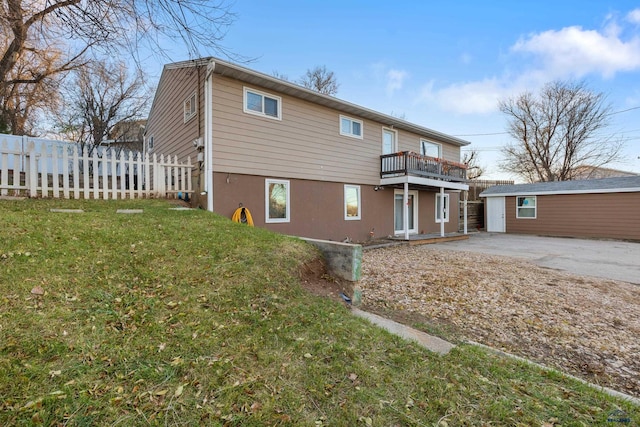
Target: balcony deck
{"points": [[410, 163]]}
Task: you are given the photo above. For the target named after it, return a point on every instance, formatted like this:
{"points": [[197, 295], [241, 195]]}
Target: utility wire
{"points": [[506, 133]]}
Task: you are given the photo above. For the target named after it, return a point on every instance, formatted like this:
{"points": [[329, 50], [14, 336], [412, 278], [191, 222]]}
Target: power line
{"points": [[507, 133], [483, 134], [623, 111]]}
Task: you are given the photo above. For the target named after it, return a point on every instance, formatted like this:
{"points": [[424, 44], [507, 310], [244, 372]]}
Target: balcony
{"points": [[408, 163]]}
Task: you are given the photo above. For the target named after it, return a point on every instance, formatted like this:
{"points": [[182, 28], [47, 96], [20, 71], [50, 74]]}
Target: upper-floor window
{"points": [[431, 149], [350, 127], [389, 141], [190, 107], [262, 104], [526, 207]]}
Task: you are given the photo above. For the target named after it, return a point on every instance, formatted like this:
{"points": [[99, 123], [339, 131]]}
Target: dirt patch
{"points": [[315, 279], [585, 326]]}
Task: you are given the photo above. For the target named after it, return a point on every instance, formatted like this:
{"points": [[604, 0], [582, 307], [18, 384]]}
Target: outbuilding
{"points": [[594, 208]]}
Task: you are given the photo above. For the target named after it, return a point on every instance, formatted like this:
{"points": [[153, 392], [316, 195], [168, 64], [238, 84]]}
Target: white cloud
{"points": [[575, 52], [634, 16], [395, 80], [571, 52], [466, 98]]}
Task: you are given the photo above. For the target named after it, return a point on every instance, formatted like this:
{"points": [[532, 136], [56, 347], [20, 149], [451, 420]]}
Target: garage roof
{"points": [[604, 185], [223, 68]]}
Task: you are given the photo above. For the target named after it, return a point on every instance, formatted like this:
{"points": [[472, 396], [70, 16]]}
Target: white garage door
{"points": [[495, 215]]}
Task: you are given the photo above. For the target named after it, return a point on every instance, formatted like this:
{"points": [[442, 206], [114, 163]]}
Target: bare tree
{"points": [[471, 160], [321, 80], [80, 27], [30, 88], [279, 75], [103, 96], [557, 131]]}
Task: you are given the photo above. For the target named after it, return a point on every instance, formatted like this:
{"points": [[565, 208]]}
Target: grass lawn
{"points": [[184, 318]]}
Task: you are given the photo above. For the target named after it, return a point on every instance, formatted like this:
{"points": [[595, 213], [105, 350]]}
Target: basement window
{"points": [[277, 200], [351, 202], [439, 199]]}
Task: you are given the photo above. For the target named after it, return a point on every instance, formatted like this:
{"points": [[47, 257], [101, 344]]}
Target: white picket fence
{"points": [[45, 168]]}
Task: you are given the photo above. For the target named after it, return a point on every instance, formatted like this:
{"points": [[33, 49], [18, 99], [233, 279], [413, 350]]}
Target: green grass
{"points": [[184, 318]]}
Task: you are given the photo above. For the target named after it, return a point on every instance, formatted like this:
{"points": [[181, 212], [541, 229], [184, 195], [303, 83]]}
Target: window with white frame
{"points": [[389, 141], [277, 200], [351, 202], [150, 143], [350, 127], [526, 207], [440, 198], [262, 104], [190, 107], [431, 149]]}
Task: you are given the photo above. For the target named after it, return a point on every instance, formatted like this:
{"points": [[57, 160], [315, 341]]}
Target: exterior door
{"points": [[495, 214], [389, 141], [398, 214]]}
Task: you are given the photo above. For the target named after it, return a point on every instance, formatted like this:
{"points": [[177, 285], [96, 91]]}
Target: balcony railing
{"points": [[410, 163]]}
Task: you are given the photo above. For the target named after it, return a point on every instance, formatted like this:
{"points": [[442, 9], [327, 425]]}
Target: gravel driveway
{"points": [[585, 326]]}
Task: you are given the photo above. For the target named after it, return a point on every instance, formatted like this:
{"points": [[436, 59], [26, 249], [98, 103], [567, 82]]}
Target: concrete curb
{"points": [[434, 344], [609, 391], [66, 210]]}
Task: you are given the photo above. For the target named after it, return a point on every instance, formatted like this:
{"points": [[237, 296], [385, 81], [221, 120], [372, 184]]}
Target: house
{"points": [[594, 208], [303, 163], [595, 172], [127, 135]]}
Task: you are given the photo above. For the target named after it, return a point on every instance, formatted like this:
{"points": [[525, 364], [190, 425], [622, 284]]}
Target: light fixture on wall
{"points": [[378, 188]]}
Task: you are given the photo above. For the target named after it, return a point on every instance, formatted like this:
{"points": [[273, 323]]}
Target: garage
{"points": [[597, 208]]}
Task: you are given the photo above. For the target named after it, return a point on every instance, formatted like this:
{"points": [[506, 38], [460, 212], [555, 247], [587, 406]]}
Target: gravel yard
{"points": [[584, 326]]}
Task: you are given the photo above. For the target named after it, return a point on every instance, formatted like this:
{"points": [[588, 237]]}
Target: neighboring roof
{"points": [[604, 185], [595, 172], [223, 68]]}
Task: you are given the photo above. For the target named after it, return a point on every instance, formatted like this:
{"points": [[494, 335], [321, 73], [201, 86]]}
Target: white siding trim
{"points": [[552, 193]]}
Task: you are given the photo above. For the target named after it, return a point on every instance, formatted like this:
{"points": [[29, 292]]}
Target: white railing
{"points": [[45, 168]]}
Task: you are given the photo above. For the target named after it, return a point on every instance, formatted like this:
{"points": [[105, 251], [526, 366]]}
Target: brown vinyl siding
{"points": [[305, 144], [166, 121], [599, 215], [317, 208], [427, 213]]}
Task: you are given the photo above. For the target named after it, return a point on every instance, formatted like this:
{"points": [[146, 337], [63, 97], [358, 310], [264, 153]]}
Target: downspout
{"points": [[208, 134], [405, 210], [442, 211], [466, 193]]}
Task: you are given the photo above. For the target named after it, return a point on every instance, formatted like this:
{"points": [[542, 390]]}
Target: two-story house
{"points": [[303, 163]]}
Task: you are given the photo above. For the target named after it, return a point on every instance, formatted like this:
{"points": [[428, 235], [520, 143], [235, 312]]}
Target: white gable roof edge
{"points": [[247, 75], [550, 193]]}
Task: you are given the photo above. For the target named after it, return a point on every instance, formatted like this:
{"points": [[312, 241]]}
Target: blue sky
{"points": [[445, 65]]}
